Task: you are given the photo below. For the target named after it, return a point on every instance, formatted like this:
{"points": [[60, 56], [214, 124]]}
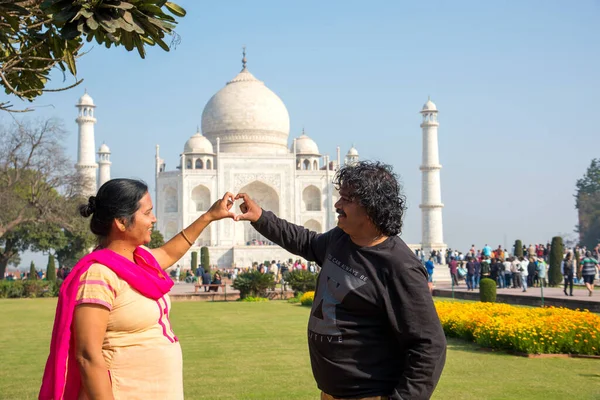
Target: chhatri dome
{"points": [[85, 100], [104, 148], [306, 146], [429, 106], [247, 117], [198, 144]]}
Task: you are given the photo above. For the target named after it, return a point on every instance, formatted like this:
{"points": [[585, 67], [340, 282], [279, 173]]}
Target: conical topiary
{"points": [[51, 269], [556, 256], [32, 271], [518, 248], [205, 258], [194, 262]]}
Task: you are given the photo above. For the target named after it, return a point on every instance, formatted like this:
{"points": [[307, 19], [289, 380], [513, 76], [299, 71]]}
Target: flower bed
{"points": [[521, 329]]}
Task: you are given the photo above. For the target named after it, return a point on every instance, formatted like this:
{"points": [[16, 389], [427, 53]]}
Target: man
{"points": [[429, 266], [588, 268], [470, 274], [373, 331], [453, 266], [487, 250], [541, 269], [507, 272], [524, 271], [206, 279]]}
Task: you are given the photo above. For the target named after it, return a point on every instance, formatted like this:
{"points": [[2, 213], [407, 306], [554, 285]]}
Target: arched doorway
{"points": [[311, 198], [313, 225], [171, 200], [200, 199], [267, 198]]}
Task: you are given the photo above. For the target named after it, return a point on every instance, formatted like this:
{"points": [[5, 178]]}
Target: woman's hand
{"points": [[221, 208]]}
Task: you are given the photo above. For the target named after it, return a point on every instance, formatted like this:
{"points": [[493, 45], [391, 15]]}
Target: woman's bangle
{"points": [[186, 238]]}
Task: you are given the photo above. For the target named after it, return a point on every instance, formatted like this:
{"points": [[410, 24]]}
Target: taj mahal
{"points": [[243, 146]]}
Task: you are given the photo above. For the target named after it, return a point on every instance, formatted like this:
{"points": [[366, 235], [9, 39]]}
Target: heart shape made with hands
{"points": [[244, 202]]}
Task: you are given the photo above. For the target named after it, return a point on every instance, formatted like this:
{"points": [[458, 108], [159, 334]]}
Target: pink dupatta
{"points": [[62, 379]]}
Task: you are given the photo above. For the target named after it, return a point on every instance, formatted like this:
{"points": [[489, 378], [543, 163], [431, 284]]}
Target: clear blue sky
{"points": [[516, 85]]}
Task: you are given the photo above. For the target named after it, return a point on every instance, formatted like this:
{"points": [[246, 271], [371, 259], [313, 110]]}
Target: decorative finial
{"points": [[428, 98], [244, 61], [197, 128], [303, 131]]}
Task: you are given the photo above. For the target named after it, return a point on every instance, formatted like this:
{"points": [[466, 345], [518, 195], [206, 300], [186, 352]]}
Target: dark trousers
{"points": [[569, 282], [517, 280], [470, 282], [454, 279], [529, 280]]}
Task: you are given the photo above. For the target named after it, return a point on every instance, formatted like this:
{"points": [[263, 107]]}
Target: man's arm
{"points": [[415, 321], [294, 238]]}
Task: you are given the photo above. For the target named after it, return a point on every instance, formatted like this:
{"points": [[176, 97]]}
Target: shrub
{"points": [[301, 281], [205, 258], [28, 288], [51, 269], [518, 248], [487, 290], [556, 256], [295, 299], [307, 298], [250, 299], [253, 284]]}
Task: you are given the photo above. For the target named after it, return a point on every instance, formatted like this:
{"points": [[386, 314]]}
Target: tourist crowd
{"points": [[579, 266]]}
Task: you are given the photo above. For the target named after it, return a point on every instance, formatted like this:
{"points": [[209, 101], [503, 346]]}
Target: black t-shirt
{"points": [[373, 329]]}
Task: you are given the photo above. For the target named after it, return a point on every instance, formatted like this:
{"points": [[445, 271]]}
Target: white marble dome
{"points": [[85, 100], [429, 106], [198, 144], [247, 117], [104, 148], [306, 146], [352, 152]]}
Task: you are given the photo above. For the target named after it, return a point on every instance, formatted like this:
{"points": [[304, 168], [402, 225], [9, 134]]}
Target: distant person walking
{"points": [[567, 270], [588, 268]]}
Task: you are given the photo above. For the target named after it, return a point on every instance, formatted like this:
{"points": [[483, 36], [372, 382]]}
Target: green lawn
{"points": [[259, 351]]}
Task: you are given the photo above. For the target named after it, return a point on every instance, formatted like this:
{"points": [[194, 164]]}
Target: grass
{"points": [[258, 351]]}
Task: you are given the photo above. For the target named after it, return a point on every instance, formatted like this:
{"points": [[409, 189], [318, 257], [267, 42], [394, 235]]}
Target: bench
{"points": [[212, 287]]}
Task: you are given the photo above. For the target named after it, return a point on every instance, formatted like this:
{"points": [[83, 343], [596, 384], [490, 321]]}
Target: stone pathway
{"points": [[580, 293]]}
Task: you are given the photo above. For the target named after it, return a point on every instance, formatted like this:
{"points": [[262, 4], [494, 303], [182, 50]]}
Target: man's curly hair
{"points": [[375, 186]]}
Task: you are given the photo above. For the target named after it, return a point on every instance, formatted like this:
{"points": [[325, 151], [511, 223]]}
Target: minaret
{"points": [[86, 158], [104, 164], [431, 192]]}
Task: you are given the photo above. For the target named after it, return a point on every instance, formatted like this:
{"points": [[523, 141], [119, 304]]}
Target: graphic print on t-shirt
{"points": [[336, 280]]}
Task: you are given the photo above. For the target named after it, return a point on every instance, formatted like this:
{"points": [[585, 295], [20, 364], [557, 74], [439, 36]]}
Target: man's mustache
{"points": [[340, 212]]}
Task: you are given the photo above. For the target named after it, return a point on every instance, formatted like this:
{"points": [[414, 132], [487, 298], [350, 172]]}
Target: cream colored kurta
{"points": [[142, 354]]}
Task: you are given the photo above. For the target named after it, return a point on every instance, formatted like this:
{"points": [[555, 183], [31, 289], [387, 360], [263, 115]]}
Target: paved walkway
{"points": [[579, 292]]}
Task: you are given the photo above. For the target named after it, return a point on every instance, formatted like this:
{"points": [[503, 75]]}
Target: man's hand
{"points": [[251, 211], [221, 208]]}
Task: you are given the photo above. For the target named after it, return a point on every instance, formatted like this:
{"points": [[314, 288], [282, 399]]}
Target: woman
{"points": [[112, 338]]}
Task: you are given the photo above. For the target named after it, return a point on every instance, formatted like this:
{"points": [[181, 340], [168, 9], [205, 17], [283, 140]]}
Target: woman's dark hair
{"points": [[117, 198], [376, 188]]}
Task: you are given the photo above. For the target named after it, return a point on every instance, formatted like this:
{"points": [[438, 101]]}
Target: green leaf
{"points": [[162, 44], [70, 60], [175, 9], [140, 46], [91, 23]]}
